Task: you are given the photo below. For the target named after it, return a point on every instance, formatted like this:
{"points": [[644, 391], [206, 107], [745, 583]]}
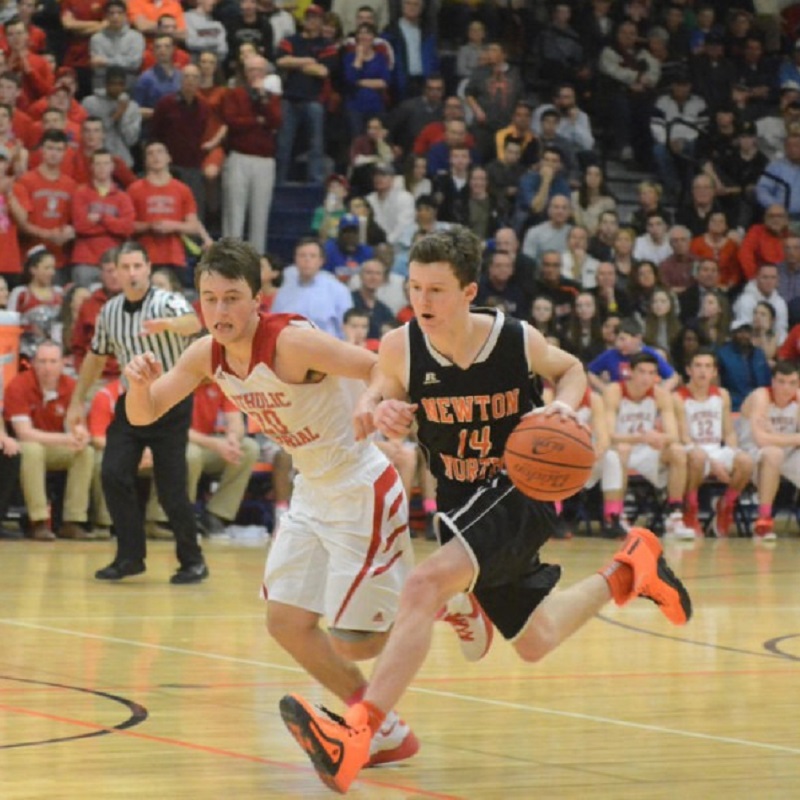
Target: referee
{"points": [[139, 319]]}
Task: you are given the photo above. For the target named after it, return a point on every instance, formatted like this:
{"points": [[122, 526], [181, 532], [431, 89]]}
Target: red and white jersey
{"points": [[782, 419], [703, 417], [636, 416], [311, 421]]}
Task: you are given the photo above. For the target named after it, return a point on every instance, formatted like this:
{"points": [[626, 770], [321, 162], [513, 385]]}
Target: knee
{"points": [[285, 628], [676, 454], [539, 639], [422, 591], [366, 646], [772, 456], [697, 459]]}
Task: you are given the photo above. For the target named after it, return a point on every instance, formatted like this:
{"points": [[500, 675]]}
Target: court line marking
{"points": [[432, 692], [217, 751]]}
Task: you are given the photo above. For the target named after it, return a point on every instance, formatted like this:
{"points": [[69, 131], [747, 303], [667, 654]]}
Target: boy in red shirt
{"points": [[165, 212], [45, 198]]}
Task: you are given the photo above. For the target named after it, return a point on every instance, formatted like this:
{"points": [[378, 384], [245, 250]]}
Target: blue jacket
{"points": [[430, 58], [740, 373]]}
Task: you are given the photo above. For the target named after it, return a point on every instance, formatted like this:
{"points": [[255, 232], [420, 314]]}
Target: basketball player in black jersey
{"points": [[464, 376]]}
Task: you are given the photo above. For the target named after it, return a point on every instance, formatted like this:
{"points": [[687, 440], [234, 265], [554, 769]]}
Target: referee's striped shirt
{"points": [[119, 327]]}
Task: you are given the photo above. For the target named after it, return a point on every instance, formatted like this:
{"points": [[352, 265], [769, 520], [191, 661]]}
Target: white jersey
{"points": [[782, 419], [703, 417], [313, 422], [636, 416]]}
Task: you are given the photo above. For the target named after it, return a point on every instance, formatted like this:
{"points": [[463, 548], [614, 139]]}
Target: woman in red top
{"points": [[212, 90], [38, 289]]}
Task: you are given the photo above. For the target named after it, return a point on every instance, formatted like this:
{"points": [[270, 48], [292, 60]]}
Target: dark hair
{"points": [[307, 240], [702, 351], [109, 256], [583, 190], [115, 72], [550, 112], [784, 367], [8, 75], [59, 137], [368, 27], [630, 326], [102, 151], [427, 200], [115, 4], [15, 20], [131, 246], [94, 119], [643, 358], [769, 307], [457, 246], [33, 258], [232, 259], [355, 312]]}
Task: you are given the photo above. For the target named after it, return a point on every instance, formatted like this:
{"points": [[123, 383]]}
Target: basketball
{"points": [[549, 457]]}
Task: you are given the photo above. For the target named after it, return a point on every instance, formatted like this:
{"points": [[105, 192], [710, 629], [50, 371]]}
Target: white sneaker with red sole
{"points": [[471, 624], [395, 741]]}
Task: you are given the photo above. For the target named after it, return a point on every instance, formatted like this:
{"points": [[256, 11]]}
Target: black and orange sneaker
{"points": [[652, 577], [337, 750]]}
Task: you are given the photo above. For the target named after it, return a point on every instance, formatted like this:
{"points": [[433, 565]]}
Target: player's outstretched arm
{"points": [[383, 405], [152, 392]]}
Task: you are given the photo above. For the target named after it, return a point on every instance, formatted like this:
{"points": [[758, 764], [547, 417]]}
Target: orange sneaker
{"points": [[471, 624], [338, 750], [395, 741], [652, 577], [765, 529]]}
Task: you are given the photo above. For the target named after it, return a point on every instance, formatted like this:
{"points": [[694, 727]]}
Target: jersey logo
{"points": [[378, 617], [430, 379]]}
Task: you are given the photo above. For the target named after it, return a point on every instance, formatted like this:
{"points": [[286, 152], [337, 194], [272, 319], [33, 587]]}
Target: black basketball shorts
{"points": [[503, 531]]}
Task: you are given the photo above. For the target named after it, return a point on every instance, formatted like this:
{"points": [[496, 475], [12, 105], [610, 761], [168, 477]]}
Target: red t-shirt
{"points": [[101, 412], [209, 402], [77, 54], [92, 239], [173, 201], [24, 398], [49, 205]]}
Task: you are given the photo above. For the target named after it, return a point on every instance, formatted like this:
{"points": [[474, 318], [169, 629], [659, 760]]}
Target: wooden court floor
{"points": [[144, 690]]}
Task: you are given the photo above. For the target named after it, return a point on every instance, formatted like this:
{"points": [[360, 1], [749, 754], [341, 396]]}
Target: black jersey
{"points": [[466, 415]]}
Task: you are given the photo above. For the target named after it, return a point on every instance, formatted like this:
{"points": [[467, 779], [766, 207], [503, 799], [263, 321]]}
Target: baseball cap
{"points": [[314, 9], [382, 168], [738, 324], [348, 221]]}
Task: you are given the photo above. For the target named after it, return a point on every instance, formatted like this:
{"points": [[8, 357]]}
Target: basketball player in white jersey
{"points": [[769, 430], [645, 434], [706, 428], [343, 550], [607, 466]]}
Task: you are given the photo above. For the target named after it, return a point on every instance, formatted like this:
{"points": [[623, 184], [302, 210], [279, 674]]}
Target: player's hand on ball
{"points": [[561, 409], [143, 370], [394, 418]]}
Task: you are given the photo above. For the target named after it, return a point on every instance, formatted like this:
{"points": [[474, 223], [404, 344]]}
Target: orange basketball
{"points": [[549, 457]]}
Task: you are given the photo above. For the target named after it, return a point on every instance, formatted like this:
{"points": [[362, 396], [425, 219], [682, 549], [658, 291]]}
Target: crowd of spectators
{"points": [[175, 123]]}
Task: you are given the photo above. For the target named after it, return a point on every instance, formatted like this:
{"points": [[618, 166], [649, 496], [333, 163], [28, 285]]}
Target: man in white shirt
{"points": [[764, 288], [393, 207], [653, 245]]}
